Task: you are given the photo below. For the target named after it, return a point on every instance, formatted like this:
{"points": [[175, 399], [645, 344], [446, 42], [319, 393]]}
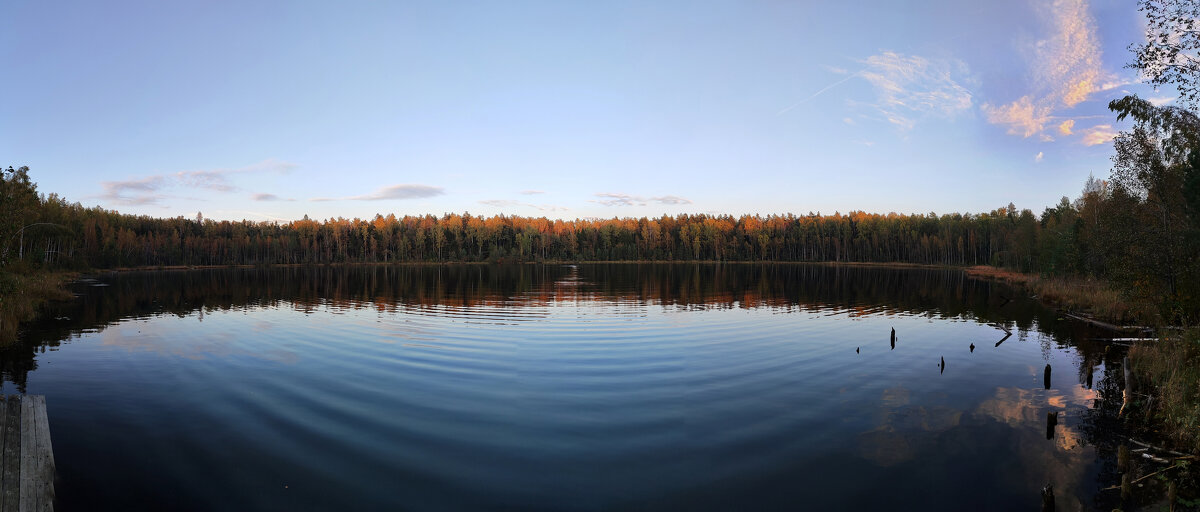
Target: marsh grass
{"points": [[23, 293], [1082, 295], [1167, 376]]}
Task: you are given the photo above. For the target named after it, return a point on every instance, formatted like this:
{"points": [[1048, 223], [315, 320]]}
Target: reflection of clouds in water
{"points": [[1023, 407], [1012, 419], [906, 432], [1012, 406], [1066, 438], [896, 396], [1053, 461], [147, 337]]}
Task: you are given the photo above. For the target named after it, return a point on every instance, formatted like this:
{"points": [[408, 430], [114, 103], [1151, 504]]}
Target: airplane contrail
{"points": [[818, 93]]}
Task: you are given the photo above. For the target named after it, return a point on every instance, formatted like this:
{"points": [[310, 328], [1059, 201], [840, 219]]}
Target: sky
{"points": [[269, 111]]}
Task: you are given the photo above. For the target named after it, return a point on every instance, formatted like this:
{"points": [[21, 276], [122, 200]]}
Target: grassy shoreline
{"points": [[1165, 369], [1166, 391], [22, 294], [1087, 297]]}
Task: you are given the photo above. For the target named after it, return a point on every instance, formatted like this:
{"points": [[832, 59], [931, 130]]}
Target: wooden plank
{"points": [[37, 457], [11, 471]]}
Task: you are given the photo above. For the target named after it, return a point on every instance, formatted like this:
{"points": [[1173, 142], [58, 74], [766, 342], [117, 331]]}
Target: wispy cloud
{"points": [[910, 87], [501, 203], [1022, 117], [403, 191], [532, 192], [1066, 68], [1065, 127], [1096, 135], [141, 191], [218, 179], [269, 197], [509, 203], [670, 200], [146, 190], [609, 199], [1038, 157], [1159, 101]]}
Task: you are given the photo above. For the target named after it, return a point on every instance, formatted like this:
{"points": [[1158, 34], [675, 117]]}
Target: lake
{"points": [[567, 387]]}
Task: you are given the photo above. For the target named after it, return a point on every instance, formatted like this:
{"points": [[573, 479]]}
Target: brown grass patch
{"points": [[22, 294], [1089, 296], [1167, 389]]}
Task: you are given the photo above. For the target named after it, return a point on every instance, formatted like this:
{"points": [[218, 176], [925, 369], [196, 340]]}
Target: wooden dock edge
{"points": [[26, 457]]}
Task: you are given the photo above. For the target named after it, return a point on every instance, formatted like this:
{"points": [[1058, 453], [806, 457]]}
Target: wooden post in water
{"points": [[26, 456], [1127, 393], [1046, 377], [1048, 498]]}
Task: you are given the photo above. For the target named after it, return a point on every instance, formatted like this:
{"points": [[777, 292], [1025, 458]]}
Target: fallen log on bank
{"points": [[1106, 325]]}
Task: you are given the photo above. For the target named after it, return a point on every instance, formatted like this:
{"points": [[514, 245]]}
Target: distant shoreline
{"points": [[151, 268]]}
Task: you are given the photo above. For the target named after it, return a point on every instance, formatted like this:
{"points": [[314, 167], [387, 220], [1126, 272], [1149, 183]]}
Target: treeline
{"points": [[63, 234]]}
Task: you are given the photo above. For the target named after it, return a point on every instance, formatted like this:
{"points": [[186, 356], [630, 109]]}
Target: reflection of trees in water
{"points": [[853, 290]]}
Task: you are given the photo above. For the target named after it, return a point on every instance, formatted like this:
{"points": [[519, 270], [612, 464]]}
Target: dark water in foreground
{"points": [[680, 387]]}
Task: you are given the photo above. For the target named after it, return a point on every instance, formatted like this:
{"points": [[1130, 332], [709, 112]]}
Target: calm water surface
{"points": [[589, 387]]}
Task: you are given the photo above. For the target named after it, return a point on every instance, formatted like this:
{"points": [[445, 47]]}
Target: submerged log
{"points": [[1157, 448], [1048, 498], [1106, 325], [1123, 340]]}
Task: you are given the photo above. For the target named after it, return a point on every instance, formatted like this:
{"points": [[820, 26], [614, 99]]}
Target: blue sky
{"points": [[568, 109]]}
